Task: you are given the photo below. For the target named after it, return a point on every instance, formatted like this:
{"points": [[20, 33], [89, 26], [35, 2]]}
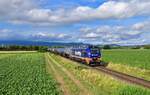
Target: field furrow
{"points": [[82, 90], [25, 74], [59, 78], [50, 74], [99, 83]]}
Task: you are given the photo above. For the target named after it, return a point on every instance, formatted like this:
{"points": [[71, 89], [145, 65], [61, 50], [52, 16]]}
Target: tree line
{"points": [[23, 48], [45, 48], [125, 47]]}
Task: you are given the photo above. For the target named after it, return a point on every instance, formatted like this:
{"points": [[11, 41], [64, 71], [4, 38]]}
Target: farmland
{"points": [[134, 58], [49, 74], [25, 74], [6, 52], [133, 62], [96, 82]]}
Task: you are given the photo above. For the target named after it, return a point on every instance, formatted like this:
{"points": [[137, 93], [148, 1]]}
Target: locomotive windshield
{"points": [[94, 51]]}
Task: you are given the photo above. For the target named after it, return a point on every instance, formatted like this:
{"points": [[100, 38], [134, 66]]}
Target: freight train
{"points": [[90, 55]]}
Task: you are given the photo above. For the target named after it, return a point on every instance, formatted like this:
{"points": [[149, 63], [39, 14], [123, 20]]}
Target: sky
{"points": [[124, 22]]}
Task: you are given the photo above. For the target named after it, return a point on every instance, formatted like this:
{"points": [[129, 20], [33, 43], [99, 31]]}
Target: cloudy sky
{"points": [[89, 21]]}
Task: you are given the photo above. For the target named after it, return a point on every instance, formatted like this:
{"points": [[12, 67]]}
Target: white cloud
{"points": [[5, 31], [109, 9], [142, 26], [85, 29], [50, 36], [14, 9], [28, 12], [39, 15], [91, 35], [116, 34], [41, 34], [6, 34], [25, 11]]}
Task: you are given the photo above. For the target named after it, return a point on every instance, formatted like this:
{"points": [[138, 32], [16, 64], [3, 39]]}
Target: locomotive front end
{"points": [[94, 55]]}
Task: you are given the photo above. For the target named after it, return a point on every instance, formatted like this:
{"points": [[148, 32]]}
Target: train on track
{"points": [[90, 55]]}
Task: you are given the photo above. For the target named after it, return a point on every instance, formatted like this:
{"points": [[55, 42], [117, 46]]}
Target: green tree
{"points": [[42, 48], [107, 47]]}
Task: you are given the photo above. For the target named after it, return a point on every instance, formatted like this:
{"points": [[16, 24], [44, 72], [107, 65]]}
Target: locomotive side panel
{"points": [[89, 55]]}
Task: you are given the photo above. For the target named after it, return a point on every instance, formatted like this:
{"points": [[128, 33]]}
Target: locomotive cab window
{"points": [[95, 51]]}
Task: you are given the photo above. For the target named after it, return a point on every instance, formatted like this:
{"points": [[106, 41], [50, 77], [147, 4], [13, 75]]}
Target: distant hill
{"points": [[110, 45], [39, 43]]}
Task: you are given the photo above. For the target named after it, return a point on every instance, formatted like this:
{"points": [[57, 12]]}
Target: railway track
{"points": [[124, 77], [119, 75]]}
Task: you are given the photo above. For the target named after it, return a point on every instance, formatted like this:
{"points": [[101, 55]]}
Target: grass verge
{"points": [[99, 83]]}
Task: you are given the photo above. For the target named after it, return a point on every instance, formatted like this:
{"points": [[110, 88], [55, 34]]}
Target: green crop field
{"points": [[49, 74], [25, 74], [136, 58], [133, 62]]}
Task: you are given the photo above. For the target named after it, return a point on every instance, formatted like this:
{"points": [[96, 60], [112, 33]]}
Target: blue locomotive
{"points": [[90, 55]]}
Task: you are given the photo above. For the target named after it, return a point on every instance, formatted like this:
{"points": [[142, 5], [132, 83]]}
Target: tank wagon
{"points": [[90, 55]]}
